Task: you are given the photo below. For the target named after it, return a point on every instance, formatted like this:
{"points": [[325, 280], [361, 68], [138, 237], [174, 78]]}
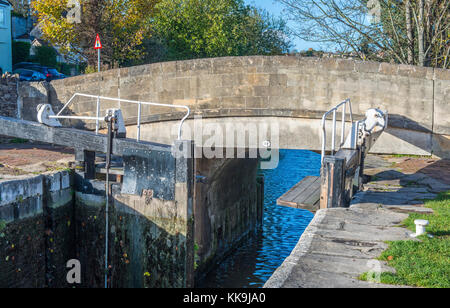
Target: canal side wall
{"points": [[47, 220], [37, 235], [228, 208]]}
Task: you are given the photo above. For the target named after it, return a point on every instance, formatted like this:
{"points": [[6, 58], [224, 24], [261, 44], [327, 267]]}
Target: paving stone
{"points": [[341, 244]]}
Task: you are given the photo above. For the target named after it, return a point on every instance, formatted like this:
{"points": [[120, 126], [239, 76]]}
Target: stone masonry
{"points": [[8, 95], [293, 91]]}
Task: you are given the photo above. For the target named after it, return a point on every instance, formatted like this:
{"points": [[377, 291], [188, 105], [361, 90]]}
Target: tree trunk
{"points": [[409, 31], [421, 33]]}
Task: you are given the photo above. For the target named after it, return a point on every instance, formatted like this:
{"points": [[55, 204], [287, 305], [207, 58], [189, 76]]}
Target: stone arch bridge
{"points": [[290, 93], [213, 203]]}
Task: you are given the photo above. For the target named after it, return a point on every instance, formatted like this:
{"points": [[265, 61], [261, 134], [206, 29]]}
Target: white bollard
{"points": [[420, 227]]}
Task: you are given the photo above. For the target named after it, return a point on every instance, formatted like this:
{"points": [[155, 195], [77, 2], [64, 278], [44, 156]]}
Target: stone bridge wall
{"points": [[8, 96], [279, 86]]}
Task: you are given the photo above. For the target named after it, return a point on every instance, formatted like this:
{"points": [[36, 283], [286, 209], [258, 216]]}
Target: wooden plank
{"points": [[314, 194], [86, 160], [352, 162], [73, 138], [304, 195], [301, 199], [351, 158], [299, 188], [332, 182]]}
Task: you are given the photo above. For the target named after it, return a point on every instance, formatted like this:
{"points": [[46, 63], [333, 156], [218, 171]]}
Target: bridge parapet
{"points": [[282, 87]]}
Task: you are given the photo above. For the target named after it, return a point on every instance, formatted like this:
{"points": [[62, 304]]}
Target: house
{"points": [[5, 37]]}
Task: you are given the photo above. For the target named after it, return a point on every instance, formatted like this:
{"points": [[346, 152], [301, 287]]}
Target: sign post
{"points": [[98, 46]]}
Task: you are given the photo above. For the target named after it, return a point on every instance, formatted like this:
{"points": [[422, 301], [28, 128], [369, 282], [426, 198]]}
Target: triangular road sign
{"points": [[98, 43]]}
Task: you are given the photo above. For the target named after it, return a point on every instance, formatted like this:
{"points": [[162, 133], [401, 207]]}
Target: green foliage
{"points": [[213, 28], [421, 264], [424, 263], [66, 68], [17, 14], [18, 141], [20, 51], [196, 257], [122, 25], [90, 69], [142, 31], [46, 56], [309, 53], [2, 227], [439, 221]]}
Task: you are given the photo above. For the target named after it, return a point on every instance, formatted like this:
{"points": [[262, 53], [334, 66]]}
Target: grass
{"points": [[409, 156], [424, 263], [18, 141]]}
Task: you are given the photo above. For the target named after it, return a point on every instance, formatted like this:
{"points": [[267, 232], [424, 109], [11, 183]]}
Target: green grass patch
{"points": [[409, 156], [425, 263], [2, 225], [18, 141]]}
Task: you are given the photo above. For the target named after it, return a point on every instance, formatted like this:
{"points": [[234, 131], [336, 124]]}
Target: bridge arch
{"points": [[291, 91]]}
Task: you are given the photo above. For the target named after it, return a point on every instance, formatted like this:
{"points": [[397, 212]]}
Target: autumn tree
{"points": [[212, 28], [122, 25], [402, 31], [21, 7]]}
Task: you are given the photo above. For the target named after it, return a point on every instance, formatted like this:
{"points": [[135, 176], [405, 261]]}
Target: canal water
{"points": [[251, 265]]}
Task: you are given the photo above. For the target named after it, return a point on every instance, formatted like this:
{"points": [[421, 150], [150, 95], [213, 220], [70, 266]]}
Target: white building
{"points": [[5, 37]]}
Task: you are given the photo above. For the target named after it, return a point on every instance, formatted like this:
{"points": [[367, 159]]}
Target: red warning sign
{"points": [[98, 43]]}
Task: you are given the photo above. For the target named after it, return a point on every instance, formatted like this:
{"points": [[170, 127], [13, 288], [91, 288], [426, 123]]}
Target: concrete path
{"points": [[18, 161], [341, 244]]}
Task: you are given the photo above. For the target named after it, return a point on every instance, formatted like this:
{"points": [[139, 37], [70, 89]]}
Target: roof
{"points": [[25, 36], [39, 42]]}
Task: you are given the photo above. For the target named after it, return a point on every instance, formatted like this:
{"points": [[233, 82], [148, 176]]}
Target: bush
{"points": [[66, 68], [20, 51], [46, 56], [90, 69]]}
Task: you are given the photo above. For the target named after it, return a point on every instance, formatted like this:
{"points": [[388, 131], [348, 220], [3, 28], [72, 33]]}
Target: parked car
{"points": [[43, 70], [49, 73], [55, 73], [29, 75]]}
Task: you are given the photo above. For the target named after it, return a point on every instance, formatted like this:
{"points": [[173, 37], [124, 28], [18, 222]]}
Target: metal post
{"points": [[98, 51], [139, 123], [97, 123], [351, 111], [110, 119], [333, 136], [343, 124]]}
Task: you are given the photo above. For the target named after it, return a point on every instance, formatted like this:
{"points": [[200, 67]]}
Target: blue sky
{"points": [[276, 9]]}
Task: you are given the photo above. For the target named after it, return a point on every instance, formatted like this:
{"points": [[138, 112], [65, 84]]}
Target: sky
{"points": [[276, 9]]}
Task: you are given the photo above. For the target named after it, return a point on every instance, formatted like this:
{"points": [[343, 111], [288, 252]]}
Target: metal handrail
{"points": [[324, 132], [139, 103]]}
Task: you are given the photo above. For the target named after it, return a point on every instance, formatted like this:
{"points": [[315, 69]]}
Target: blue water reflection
{"points": [[253, 263]]}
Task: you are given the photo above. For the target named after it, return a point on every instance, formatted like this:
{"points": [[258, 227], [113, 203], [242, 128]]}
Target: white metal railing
{"points": [[97, 118], [343, 125]]}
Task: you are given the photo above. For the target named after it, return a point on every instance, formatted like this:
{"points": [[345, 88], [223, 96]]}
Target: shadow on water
{"points": [[251, 265]]}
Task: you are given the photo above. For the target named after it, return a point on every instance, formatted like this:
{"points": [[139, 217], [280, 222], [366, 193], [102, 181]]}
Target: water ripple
{"points": [[252, 264]]}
